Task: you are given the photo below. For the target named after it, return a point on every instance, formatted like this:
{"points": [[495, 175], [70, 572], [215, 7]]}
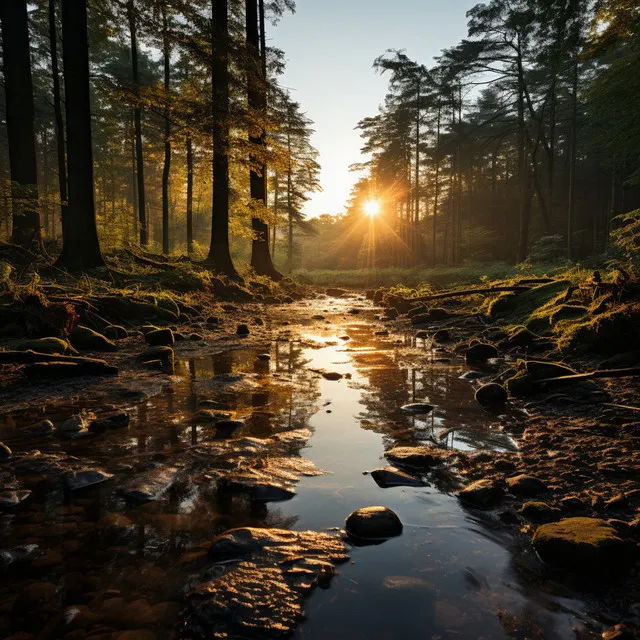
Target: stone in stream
{"points": [[373, 523], [115, 420], [480, 352], [257, 488], [539, 512], [84, 338], [73, 425], [267, 575], [150, 485], [42, 429], [483, 494], [87, 478], [22, 553], [418, 457], [5, 451], [392, 477], [581, 544], [526, 486], [51, 346], [69, 369], [12, 498], [417, 408], [492, 395], [115, 332], [332, 375], [160, 337]]}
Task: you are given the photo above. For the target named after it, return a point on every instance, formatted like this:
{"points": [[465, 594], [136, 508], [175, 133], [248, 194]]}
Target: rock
{"points": [[115, 420], [617, 503], [530, 372], [160, 338], [115, 332], [417, 408], [539, 512], [580, 544], [418, 457], [87, 478], [483, 494], [573, 504], [9, 499], [373, 523], [619, 632], [74, 424], [162, 353], [392, 477], [86, 339], [195, 337], [442, 335], [52, 346], [332, 375], [242, 330], [480, 352], [256, 488], [5, 451], [42, 429], [526, 486], [150, 485], [69, 369], [491, 395], [335, 292]]}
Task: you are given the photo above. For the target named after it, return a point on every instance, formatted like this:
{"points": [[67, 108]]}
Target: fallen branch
{"points": [[147, 262], [603, 373], [29, 357], [471, 292]]}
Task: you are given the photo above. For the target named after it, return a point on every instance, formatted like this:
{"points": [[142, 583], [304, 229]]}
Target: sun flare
{"points": [[372, 208]]}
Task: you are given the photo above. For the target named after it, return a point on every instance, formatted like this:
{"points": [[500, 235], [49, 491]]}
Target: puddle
{"points": [[450, 575]]}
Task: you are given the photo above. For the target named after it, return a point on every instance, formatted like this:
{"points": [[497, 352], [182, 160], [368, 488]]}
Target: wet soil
{"points": [[281, 429]]}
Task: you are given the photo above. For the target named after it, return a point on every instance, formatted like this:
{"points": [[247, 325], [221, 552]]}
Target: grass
{"points": [[436, 277]]}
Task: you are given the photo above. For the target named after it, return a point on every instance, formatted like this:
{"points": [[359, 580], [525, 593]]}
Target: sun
{"points": [[372, 208]]}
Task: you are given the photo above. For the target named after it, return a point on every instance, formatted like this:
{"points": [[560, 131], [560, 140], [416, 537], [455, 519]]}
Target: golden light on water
{"points": [[372, 208]]}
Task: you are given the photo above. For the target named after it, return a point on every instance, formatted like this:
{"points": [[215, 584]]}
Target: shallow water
{"points": [[452, 574]]}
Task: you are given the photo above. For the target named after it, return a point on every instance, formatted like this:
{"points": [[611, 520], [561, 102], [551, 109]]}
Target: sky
{"points": [[330, 46]]}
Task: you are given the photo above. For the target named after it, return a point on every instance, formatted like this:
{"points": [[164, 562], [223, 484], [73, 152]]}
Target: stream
{"points": [[453, 573]]}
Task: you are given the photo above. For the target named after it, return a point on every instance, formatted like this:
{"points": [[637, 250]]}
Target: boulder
{"points": [[69, 369], [539, 512], [580, 544], [418, 457], [160, 337], [373, 523], [483, 494], [50, 346], [115, 332], [392, 477], [492, 395], [257, 489], [86, 339], [480, 352], [526, 486]]}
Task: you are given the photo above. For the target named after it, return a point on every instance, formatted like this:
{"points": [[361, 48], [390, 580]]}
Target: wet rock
{"points": [[418, 457], [10, 499], [42, 429], [372, 523], [5, 451], [492, 395], [332, 375], [539, 512], [51, 346], [526, 486], [114, 523], [115, 420], [84, 338], [115, 332], [392, 477], [150, 485], [242, 330], [256, 487], [620, 632], [483, 494], [87, 478], [263, 592], [160, 337], [162, 353], [17, 555], [73, 425], [580, 544], [573, 504], [480, 352], [77, 368], [417, 408]]}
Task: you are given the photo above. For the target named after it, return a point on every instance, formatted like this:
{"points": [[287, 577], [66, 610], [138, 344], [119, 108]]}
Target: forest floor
{"points": [[167, 382]]}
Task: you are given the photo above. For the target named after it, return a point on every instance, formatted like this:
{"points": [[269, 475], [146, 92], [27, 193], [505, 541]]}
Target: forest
{"points": [[227, 414]]}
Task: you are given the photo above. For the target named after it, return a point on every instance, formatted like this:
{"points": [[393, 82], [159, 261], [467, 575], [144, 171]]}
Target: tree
{"points": [[20, 122], [80, 248]]}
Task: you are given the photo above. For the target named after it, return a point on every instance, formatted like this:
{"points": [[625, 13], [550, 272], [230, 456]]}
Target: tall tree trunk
{"points": [[436, 188], [189, 195], [257, 100], [219, 255], [57, 110], [80, 245], [276, 197], [523, 174], [20, 116], [417, 178], [137, 118], [289, 197], [572, 159], [167, 131]]}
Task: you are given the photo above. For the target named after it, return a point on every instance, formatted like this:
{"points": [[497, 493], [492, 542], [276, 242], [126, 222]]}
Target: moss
{"points": [[86, 338], [539, 512], [55, 346], [520, 306], [523, 383]]}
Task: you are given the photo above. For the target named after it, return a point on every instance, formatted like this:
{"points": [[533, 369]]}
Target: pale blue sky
{"points": [[330, 46]]}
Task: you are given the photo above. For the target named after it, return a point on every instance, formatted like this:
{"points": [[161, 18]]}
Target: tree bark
{"points": [[80, 245], [572, 159], [257, 100], [219, 255], [167, 131], [189, 195], [523, 174], [137, 118], [437, 188], [20, 117]]}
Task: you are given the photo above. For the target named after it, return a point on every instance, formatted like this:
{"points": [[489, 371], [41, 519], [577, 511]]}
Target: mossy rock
{"points": [[160, 337], [136, 310], [567, 312], [115, 332], [524, 383], [522, 337], [86, 339], [522, 304], [581, 544], [539, 512], [53, 346], [162, 354]]}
